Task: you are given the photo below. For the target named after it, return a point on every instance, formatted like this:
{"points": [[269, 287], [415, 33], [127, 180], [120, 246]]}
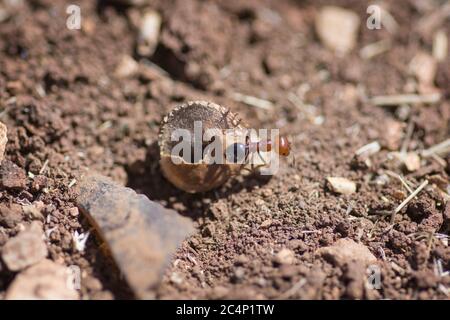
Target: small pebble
{"points": [[285, 256], [3, 140], [337, 28], [149, 33], [342, 185], [74, 212], [126, 67]]}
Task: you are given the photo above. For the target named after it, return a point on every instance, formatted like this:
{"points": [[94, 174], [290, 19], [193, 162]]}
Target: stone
{"points": [[11, 176], [424, 67], [126, 67], [149, 32], [342, 185], [3, 140], [285, 256], [393, 134], [345, 251], [25, 249], [74, 212], [43, 281], [141, 234], [337, 28], [412, 161]]}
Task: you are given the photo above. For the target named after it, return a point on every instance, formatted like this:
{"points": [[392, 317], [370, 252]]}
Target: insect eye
{"points": [[235, 153]]}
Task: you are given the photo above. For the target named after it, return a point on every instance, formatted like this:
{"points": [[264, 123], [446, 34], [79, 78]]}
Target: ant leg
{"points": [[259, 166], [293, 161], [238, 121], [247, 169], [225, 116], [262, 159], [235, 122]]}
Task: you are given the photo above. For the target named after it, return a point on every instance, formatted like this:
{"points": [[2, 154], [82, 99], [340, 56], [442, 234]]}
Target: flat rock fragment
{"points": [[141, 235], [43, 281]]}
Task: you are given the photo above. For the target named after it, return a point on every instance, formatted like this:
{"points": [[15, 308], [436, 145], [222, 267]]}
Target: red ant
{"points": [[236, 151]]}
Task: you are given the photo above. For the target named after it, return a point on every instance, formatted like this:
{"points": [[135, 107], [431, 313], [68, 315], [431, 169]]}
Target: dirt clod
{"points": [[25, 249], [345, 251], [12, 176], [45, 280], [10, 216], [285, 256]]}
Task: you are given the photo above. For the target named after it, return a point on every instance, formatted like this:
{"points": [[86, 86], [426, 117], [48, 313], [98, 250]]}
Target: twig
{"points": [[44, 167], [388, 21], [398, 99], [439, 160], [439, 149], [408, 135], [373, 49], [72, 183], [399, 177], [293, 290], [408, 199], [308, 110], [310, 231], [440, 46], [252, 101], [444, 290]]}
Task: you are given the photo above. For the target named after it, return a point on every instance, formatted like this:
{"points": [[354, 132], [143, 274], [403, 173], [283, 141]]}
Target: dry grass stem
{"points": [[408, 199], [252, 101], [439, 149], [399, 99]]}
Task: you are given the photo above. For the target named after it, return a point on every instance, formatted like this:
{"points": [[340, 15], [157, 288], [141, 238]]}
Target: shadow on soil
{"points": [[145, 177]]}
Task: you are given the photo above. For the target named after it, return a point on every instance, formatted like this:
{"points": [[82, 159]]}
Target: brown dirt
{"points": [[66, 111]]}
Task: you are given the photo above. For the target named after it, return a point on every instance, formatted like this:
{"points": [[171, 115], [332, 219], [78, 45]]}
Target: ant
{"points": [[237, 151]]}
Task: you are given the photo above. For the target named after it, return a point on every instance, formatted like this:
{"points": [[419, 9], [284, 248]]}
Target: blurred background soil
{"points": [[93, 98]]}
